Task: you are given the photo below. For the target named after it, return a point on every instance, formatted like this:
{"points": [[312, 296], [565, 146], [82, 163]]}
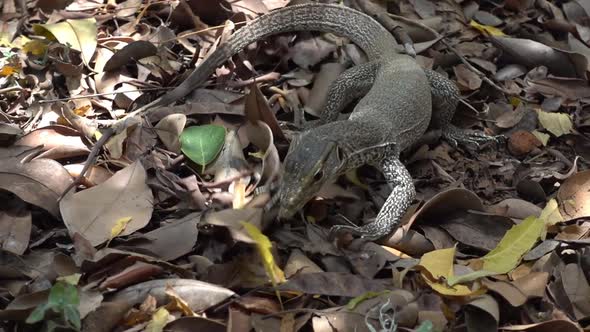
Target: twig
{"points": [[475, 70], [10, 89], [192, 33], [101, 94], [106, 135]]}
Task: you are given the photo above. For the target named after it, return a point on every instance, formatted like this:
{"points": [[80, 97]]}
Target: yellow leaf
{"points": [[5, 40], [8, 70], [556, 123], [515, 244], [486, 29], [82, 110], [453, 280], [80, 34], [18, 42], [550, 214], [544, 138], [438, 266], [120, 226], [97, 135], [239, 191], [257, 154], [35, 47], [264, 246], [178, 304], [72, 279], [515, 101], [159, 320], [353, 177]]}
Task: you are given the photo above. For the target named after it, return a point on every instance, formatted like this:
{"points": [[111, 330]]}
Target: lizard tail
{"points": [[360, 28]]}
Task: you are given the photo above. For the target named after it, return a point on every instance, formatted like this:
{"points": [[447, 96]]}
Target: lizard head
{"points": [[311, 162]]}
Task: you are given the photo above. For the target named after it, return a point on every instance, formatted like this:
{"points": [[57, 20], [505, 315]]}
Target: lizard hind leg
{"points": [[399, 200], [445, 97]]}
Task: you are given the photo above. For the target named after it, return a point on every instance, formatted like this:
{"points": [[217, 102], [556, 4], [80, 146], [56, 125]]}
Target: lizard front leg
{"points": [[396, 205]]}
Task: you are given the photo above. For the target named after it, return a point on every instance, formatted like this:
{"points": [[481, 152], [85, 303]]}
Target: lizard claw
{"points": [[334, 230]]}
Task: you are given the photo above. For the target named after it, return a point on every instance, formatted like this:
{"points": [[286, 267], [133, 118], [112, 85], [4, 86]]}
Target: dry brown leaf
{"points": [[573, 195], [198, 294], [39, 182], [298, 263], [169, 129], [93, 176], [318, 96], [334, 284], [15, 225], [257, 109], [310, 51], [195, 323], [510, 292], [133, 51], [58, 142], [261, 136], [531, 53], [467, 79], [94, 212], [483, 314], [577, 289], [174, 239], [231, 219]]}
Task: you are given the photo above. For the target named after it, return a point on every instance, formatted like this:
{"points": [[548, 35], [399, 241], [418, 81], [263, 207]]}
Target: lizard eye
{"points": [[318, 175]]}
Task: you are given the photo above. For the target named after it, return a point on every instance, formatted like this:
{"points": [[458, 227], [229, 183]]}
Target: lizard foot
{"points": [[395, 206], [455, 136]]}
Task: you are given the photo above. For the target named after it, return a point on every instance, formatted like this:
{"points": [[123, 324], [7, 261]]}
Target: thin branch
{"points": [[100, 94]]}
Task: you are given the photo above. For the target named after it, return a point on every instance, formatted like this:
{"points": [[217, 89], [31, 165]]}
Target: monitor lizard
{"points": [[400, 100]]}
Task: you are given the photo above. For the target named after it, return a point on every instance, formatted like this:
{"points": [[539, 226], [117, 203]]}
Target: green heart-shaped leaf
{"points": [[202, 144]]}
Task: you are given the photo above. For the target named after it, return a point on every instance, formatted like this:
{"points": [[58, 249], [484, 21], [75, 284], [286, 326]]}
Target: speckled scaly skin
{"points": [[394, 112]]}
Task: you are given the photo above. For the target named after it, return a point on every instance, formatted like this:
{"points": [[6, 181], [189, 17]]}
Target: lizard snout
{"points": [[288, 206]]}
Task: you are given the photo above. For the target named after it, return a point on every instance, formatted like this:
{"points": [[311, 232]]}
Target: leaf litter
{"points": [[497, 239]]}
